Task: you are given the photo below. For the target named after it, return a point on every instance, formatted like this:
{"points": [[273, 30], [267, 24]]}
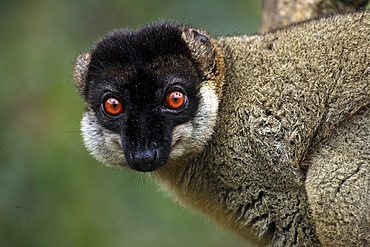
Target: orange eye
{"points": [[113, 106], [175, 100]]}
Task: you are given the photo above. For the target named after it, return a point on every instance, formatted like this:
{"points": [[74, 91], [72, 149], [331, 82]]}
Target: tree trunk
{"points": [[280, 13]]}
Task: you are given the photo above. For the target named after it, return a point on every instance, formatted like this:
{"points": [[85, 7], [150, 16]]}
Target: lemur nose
{"points": [[144, 159]]}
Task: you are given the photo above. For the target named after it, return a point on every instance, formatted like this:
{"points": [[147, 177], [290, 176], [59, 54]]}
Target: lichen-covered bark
{"points": [[280, 13]]}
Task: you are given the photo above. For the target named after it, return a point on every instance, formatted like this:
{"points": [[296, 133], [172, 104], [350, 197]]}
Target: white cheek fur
{"points": [[103, 144], [191, 137]]}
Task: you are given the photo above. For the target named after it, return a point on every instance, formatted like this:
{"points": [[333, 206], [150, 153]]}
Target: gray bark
{"points": [[280, 13]]}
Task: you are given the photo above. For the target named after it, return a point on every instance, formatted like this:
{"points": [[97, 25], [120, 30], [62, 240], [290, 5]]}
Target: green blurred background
{"points": [[52, 193]]}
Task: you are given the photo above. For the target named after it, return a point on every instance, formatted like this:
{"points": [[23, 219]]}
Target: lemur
{"points": [[267, 134]]}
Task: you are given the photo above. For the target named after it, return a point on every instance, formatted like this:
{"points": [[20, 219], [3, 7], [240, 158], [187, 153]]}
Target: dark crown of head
{"points": [[124, 47]]}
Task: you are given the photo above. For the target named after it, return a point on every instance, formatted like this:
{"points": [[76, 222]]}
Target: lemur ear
{"points": [[201, 47], [80, 70]]}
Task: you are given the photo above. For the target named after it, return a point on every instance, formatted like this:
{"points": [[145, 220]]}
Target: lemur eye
{"points": [[112, 106], [175, 100]]}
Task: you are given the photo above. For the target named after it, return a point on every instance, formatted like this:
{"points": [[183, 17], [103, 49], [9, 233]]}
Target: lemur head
{"points": [[151, 95]]}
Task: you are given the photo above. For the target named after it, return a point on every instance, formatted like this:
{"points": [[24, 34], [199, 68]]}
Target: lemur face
{"points": [[148, 98]]}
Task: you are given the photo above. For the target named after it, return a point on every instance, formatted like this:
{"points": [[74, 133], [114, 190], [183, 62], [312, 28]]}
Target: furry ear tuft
{"points": [[201, 47], [80, 70]]}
